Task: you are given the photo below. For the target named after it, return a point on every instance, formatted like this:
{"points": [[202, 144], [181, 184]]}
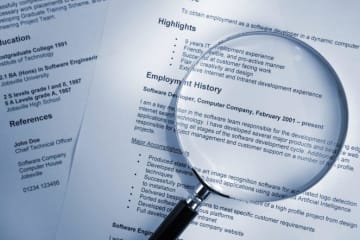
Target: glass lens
{"points": [[263, 116]]}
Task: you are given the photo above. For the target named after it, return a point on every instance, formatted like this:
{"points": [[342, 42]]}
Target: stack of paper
{"points": [[127, 171]]}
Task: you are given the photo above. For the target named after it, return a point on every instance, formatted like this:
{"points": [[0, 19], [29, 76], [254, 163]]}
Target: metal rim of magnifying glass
{"points": [[306, 46]]}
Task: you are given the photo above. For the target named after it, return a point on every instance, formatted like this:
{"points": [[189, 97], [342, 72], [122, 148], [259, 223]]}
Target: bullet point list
{"points": [[173, 52]]}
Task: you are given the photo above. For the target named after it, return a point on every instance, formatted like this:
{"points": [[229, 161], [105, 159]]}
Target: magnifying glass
{"points": [[263, 117]]}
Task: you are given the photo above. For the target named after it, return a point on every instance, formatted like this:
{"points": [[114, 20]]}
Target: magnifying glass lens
{"points": [[262, 116]]}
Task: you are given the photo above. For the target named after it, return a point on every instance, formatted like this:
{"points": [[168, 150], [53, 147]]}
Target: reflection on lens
{"points": [[262, 115]]}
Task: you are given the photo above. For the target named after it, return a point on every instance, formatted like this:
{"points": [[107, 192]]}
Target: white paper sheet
{"points": [[127, 173], [47, 54]]}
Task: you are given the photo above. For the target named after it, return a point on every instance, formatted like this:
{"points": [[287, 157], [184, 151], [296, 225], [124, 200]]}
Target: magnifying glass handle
{"points": [[181, 216]]}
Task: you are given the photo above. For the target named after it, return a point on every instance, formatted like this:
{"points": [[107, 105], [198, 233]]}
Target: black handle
{"points": [[175, 223]]}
